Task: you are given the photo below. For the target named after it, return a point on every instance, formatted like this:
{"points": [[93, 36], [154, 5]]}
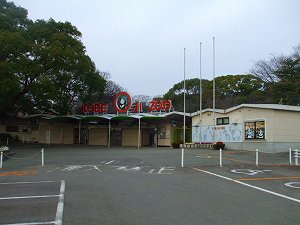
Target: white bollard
{"points": [[296, 155], [182, 156], [1, 160], [42, 157], [6, 141], [221, 161], [290, 156], [256, 160]]}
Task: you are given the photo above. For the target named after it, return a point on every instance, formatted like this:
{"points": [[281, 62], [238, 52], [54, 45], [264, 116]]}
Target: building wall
{"points": [[130, 137], [286, 127], [56, 133], [98, 136]]}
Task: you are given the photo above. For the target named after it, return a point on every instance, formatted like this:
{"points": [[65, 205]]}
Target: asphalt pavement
{"points": [[88, 185]]}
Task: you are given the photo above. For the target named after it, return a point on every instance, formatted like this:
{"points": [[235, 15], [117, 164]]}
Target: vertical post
{"points": [[290, 156], [200, 93], [1, 160], [79, 132], [23, 139], [6, 141], [139, 133], [184, 97], [182, 157], [214, 93], [296, 155], [182, 150], [43, 157], [256, 160], [109, 126], [221, 160]]}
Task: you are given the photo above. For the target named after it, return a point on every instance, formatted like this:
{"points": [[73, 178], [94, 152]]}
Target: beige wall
{"points": [[286, 126], [56, 133], [98, 136], [130, 137], [167, 141]]}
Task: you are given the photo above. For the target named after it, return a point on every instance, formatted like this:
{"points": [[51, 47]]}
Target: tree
{"points": [[231, 90], [44, 66], [283, 74]]}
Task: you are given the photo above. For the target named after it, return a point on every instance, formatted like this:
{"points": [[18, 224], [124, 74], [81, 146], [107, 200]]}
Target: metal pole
{"points": [[296, 155], [1, 160], [200, 92], [184, 97], [214, 93], [256, 160], [139, 133], [182, 150], [221, 160], [43, 157], [109, 127], [6, 141], [182, 157], [290, 156], [79, 132]]}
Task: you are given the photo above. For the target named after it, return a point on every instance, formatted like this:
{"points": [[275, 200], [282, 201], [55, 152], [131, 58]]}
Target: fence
{"points": [[6, 155], [242, 157]]}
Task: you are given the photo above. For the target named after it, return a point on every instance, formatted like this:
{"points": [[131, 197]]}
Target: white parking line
{"points": [[60, 205], [27, 197], [251, 186]]}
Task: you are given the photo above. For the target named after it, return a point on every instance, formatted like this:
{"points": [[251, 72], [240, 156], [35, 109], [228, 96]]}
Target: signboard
{"points": [[224, 133], [123, 104]]}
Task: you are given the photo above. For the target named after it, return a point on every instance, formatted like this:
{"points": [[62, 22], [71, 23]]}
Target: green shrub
{"points": [[219, 145]]}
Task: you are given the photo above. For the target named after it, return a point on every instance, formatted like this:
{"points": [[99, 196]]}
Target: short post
{"points": [[42, 157], [1, 160], [182, 156], [6, 141], [256, 160], [296, 155], [221, 161], [290, 156]]}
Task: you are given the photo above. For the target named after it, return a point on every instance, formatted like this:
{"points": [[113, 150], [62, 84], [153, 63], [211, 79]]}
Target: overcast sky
{"points": [[140, 42]]}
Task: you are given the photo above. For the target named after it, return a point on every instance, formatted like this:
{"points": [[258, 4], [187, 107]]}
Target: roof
{"points": [[146, 116], [257, 106]]}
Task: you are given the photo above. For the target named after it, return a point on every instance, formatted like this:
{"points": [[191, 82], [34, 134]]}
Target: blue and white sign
{"points": [[224, 133]]}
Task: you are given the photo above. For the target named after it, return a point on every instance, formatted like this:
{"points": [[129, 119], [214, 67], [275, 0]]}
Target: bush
{"points": [[219, 145]]}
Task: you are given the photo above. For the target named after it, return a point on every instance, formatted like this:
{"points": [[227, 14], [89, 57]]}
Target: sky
{"points": [[140, 42]]}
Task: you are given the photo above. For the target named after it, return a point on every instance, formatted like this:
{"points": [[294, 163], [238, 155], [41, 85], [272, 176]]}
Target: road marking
{"points": [[249, 172], [34, 223], [292, 185], [267, 178], [32, 182], [60, 205], [19, 173], [109, 162], [248, 185], [27, 197]]}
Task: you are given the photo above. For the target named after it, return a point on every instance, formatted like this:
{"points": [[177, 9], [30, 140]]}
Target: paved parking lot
{"points": [[93, 185]]}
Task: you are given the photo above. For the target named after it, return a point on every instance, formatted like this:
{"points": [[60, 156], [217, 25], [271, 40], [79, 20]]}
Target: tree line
{"points": [[44, 68], [272, 81]]}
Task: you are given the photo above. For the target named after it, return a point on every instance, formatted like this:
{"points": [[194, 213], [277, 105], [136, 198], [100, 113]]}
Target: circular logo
{"points": [[122, 102]]}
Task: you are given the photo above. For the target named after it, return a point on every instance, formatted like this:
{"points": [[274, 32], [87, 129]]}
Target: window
{"points": [[255, 130], [223, 121]]}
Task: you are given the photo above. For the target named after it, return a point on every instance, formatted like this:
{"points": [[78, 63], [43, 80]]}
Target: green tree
{"points": [[44, 66], [283, 75], [231, 90]]}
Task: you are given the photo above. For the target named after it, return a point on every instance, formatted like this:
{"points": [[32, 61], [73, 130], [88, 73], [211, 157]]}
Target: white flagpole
{"points": [[200, 93], [214, 93], [182, 150], [184, 100]]}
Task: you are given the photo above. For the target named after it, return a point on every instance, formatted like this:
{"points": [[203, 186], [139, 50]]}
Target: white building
{"points": [[267, 127]]}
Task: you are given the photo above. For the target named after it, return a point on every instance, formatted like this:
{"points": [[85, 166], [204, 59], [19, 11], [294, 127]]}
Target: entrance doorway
{"points": [[116, 137], [83, 136]]}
